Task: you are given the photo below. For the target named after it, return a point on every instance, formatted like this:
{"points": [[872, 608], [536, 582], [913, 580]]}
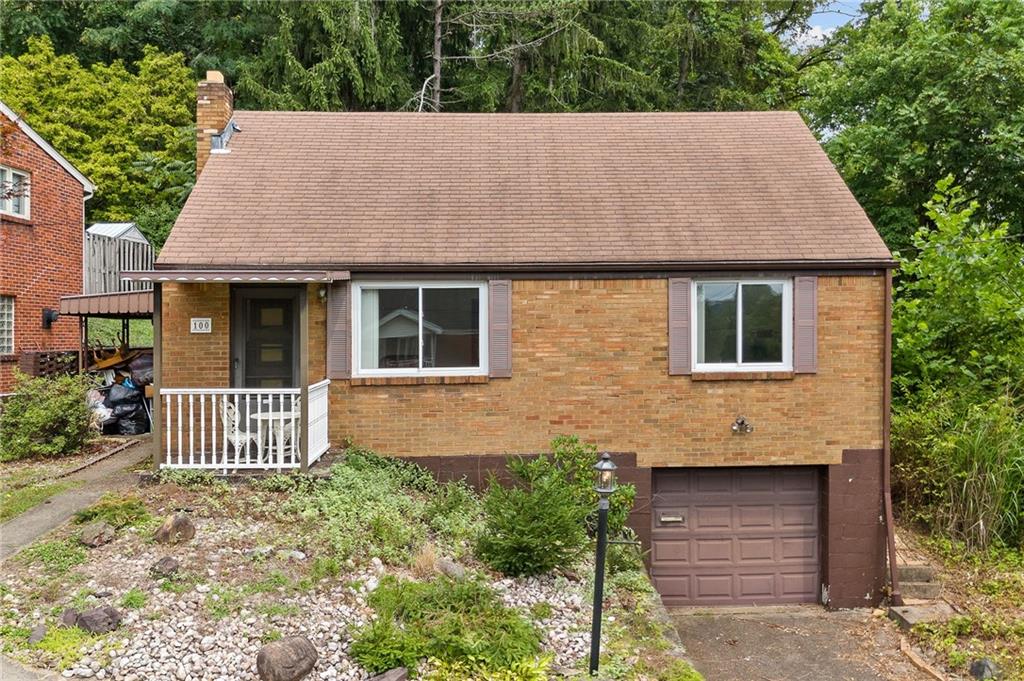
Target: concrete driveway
{"points": [[793, 643]]}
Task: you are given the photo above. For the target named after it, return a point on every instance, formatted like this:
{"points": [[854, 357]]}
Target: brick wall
{"points": [[589, 357], [214, 107], [853, 566], [204, 360], [41, 257]]}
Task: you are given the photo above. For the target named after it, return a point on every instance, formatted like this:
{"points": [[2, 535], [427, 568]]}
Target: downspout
{"points": [[895, 597]]}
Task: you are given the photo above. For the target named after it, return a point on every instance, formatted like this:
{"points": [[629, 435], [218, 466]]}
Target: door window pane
{"points": [[762, 323], [716, 323], [389, 337], [451, 327]]}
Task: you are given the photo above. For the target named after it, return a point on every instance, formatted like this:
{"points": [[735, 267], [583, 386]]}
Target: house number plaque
{"points": [[201, 325]]}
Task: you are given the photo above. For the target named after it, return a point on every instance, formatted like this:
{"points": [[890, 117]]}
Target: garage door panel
{"points": [[743, 536], [755, 550], [674, 550], [798, 548], [799, 516]]}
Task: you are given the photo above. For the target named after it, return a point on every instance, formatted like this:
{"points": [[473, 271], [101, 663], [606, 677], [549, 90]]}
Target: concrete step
{"points": [[925, 590], [907, 616], [916, 573]]}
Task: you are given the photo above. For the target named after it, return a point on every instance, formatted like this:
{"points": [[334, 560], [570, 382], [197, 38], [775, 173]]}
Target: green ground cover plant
{"points": [[46, 417], [453, 621], [57, 556], [116, 510]]}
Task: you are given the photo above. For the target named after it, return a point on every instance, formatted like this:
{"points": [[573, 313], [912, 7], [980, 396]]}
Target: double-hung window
{"points": [[14, 192], [6, 325], [419, 329], [743, 325]]}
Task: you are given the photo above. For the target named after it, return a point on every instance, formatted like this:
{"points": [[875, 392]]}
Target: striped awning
{"points": [[237, 276], [129, 304]]}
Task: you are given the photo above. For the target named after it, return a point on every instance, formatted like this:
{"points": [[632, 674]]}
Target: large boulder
{"points": [[450, 568], [176, 529], [99, 620], [289, 659], [69, 617], [37, 635], [97, 533]]}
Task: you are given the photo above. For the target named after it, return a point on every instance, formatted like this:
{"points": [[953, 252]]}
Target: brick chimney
{"points": [[214, 107]]}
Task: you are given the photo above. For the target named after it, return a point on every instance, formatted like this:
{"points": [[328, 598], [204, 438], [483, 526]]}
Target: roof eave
{"points": [[88, 187]]}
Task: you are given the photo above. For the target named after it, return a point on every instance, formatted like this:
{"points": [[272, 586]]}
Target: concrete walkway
{"points": [[110, 474], [793, 643]]}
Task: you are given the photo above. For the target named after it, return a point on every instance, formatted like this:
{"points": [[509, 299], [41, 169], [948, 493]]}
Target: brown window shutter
{"points": [[499, 328], [679, 358], [339, 333], [805, 325]]}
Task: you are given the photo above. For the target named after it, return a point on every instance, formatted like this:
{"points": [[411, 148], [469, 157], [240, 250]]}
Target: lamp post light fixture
{"points": [[604, 486]]}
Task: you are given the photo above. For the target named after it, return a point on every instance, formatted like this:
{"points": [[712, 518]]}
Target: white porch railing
{"points": [[318, 437], [241, 429]]}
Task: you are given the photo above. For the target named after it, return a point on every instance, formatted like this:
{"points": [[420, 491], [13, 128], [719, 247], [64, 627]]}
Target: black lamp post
{"points": [[604, 487]]}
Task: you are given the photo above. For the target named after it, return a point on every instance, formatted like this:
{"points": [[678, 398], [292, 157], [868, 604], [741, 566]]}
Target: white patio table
{"points": [[273, 425]]}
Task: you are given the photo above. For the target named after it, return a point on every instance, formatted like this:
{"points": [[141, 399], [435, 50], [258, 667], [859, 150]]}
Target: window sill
{"points": [[10, 218], [742, 375], [418, 380]]}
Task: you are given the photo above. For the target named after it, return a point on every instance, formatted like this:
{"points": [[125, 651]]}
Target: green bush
{"points": [[959, 468], [534, 526], [541, 523], [523, 670], [453, 621], [45, 417]]}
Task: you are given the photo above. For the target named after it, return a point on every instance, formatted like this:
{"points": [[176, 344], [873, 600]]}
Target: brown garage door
{"points": [[736, 536]]}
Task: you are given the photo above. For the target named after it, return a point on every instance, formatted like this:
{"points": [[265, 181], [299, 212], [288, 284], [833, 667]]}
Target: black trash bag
{"points": [[127, 409], [119, 394], [136, 424], [142, 369], [111, 426]]}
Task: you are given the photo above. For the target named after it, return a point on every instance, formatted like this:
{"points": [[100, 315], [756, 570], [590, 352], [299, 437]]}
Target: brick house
{"points": [[42, 222], [698, 293]]}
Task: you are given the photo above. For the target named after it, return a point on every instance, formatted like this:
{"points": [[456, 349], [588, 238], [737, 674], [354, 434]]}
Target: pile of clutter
{"points": [[119, 405]]}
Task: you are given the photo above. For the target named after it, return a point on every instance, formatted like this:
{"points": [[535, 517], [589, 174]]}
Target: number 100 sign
{"points": [[201, 325]]}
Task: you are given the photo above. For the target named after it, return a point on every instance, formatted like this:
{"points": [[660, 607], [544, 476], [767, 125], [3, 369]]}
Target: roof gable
{"points": [[88, 187], [494, 191]]}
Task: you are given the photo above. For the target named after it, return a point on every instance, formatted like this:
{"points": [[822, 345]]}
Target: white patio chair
{"points": [[238, 434], [285, 435]]}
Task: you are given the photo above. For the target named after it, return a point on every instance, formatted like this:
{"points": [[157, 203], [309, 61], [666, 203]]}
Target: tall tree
{"points": [[918, 91]]}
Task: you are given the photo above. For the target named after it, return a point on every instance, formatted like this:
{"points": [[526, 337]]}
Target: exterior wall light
{"points": [[49, 317], [604, 485], [741, 426]]}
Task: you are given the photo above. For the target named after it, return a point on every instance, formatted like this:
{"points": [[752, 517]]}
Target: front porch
{"points": [[240, 381], [240, 429]]}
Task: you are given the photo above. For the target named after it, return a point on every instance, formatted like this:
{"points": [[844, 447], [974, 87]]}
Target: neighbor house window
{"points": [[14, 192], [405, 329], [6, 325], [742, 325]]}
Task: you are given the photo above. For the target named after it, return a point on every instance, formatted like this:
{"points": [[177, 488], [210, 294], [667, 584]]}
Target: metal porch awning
{"points": [[237, 276], [124, 305]]}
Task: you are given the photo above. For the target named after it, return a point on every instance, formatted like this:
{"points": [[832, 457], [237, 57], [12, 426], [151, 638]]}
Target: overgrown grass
{"points": [[116, 510], [134, 599], [454, 621], [959, 469], [14, 502], [64, 644], [57, 556], [378, 506]]}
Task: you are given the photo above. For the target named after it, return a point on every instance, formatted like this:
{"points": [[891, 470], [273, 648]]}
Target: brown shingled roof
{"points": [[519, 190]]}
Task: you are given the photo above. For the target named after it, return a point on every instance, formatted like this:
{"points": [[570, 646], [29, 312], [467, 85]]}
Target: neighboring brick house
{"points": [[697, 292], [42, 221]]}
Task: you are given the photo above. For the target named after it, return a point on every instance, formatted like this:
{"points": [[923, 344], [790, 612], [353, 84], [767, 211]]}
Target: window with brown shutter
{"points": [[500, 328], [805, 325], [339, 319], [679, 357]]}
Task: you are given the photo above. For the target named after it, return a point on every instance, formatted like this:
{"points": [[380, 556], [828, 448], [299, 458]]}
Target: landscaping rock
{"points": [[37, 635], [97, 534], [289, 659], [396, 674], [69, 618], [450, 568], [165, 567], [99, 620], [176, 529], [984, 669]]}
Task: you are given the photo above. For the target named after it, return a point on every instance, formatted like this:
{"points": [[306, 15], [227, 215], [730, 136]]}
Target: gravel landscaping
{"points": [[255, 573]]}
